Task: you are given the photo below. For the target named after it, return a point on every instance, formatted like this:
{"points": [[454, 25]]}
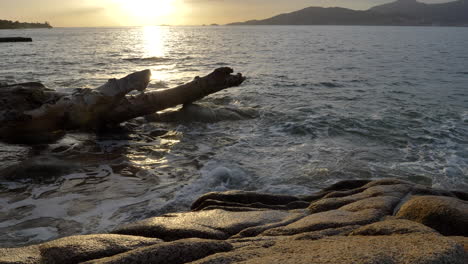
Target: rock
{"points": [[397, 249], [181, 251], [77, 249], [447, 215], [325, 220], [24, 255], [386, 182], [397, 190], [384, 203], [424, 190], [462, 240], [256, 230], [158, 132], [339, 189], [392, 227], [344, 225], [315, 235], [461, 195], [210, 204], [213, 224], [15, 39], [346, 185], [243, 197], [326, 204]]}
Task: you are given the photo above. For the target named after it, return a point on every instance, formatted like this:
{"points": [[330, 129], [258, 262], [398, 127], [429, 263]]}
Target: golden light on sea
{"points": [[153, 41]]}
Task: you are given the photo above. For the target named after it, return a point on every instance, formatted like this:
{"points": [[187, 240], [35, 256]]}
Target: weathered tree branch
{"points": [[151, 102], [31, 109]]}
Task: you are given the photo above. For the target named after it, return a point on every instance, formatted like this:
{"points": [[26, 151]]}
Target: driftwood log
{"points": [[31, 112]]}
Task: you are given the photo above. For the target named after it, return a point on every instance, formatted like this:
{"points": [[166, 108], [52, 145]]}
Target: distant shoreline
{"points": [[7, 24]]}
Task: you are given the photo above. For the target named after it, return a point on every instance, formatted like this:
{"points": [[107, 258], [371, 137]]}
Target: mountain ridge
{"points": [[400, 12]]}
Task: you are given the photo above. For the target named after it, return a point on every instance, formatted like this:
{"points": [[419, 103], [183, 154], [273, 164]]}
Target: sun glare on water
{"points": [[148, 12]]}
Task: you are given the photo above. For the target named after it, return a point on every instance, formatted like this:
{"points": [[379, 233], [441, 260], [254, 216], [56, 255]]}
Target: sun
{"points": [[148, 12]]}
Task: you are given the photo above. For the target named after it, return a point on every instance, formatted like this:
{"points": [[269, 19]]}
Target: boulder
{"points": [[24, 255], [77, 249], [325, 220], [392, 227], [177, 252], [447, 215], [384, 203], [213, 224], [244, 197], [462, 240], [397, 249], [329, 203]]}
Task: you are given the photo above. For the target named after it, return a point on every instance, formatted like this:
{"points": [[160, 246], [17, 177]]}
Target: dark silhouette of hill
{"points": [[7, 24], [401, 12], [451, 13]]}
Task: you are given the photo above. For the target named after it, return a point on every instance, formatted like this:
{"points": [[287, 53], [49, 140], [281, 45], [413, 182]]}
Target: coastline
{"points": [[353, 221]]}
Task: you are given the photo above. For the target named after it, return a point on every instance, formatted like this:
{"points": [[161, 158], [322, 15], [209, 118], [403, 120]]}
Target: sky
{"points": [[96, 13]]}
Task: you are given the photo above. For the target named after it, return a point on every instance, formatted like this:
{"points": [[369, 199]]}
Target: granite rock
{"points": [[447, 215], [212, 224], [357, 221]]}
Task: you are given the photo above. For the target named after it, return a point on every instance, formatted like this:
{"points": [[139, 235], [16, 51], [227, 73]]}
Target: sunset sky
{"points": [[89, 13]]}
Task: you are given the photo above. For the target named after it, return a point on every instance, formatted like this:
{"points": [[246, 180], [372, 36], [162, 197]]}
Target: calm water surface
{"points": [[332, 102]]}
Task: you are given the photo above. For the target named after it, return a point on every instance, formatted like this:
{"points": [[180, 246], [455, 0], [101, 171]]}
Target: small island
{"points": [[7, 24]]}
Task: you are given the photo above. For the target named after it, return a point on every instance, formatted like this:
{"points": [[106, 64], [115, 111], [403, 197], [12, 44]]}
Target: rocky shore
{"points": [[357, 221]]}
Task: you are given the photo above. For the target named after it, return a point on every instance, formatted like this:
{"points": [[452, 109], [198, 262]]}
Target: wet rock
{"points": [[461, 195], [339, 189], [325, 220], [386, 182], [346, 185], [397, 249], [447, 215], [243, 197], [210, 204], [181, 251], [392, 227], [158, 132], [213, 224]]}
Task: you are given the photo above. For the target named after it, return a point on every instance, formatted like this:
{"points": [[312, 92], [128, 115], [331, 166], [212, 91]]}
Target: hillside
{"points": [[7, 24], [401, 12], [452, 13]]}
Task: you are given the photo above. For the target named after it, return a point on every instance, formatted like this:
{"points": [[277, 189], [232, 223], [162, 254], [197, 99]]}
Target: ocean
{"points": [[330, 103]]}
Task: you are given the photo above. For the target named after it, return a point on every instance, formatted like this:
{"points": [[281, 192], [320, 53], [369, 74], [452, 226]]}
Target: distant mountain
{"points": [[401, 12], [452, 13], [7, 24]]}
